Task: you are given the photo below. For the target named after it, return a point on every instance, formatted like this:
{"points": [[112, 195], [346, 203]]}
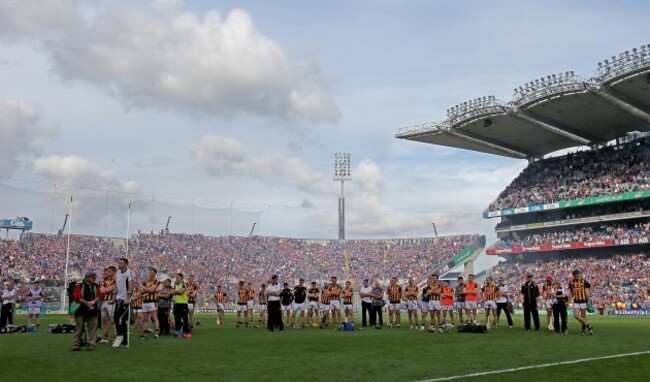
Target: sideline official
{"points": [[531, 293], [273, 291]]}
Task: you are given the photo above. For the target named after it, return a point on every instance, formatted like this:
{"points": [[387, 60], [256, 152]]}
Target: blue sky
{"points": [[243, 104]]}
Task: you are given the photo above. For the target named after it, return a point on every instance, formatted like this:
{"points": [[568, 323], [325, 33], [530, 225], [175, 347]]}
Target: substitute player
{"points": [[435, 304], [447, 298], [286, 298], [335, 302], [325, 304], [35, 298], [262, 300], [193, 292], [150, 299], [412, 303], [348, 293], [299, 297], [459, 302], [108, 288], [136, 304], [220, 299], [471, 292], [242, 304], [580, 289], [394, 303], [490, 295], [313, 294], [548, 296]]}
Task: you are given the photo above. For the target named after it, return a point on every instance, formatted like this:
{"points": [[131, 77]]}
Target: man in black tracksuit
{"points": [[530, 292]]}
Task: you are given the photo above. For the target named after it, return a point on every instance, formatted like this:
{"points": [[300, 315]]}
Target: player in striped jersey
{"points": [[251, 302], [412, 303], [490, 292], [149, 291], [335, 302], [348, 293], [136, 304], [108, 288], [242, 304], [580, 289], [220, 298], [394, 303], [435, 303], [313, 294], [325, 304], [193, 289], [262, 300], [548, 296]]}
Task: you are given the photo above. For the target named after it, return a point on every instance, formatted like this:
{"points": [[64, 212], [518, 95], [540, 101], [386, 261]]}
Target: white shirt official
{"points": [[273, 288], [365, 290]]}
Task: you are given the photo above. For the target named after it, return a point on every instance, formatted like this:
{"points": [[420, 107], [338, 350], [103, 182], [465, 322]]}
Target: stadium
{"points": [[582, 203]]}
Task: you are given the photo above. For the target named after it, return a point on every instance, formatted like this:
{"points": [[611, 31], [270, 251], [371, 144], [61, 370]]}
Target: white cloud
{"points": [[166, 59], [77, 171], [21, 134], [221, 156]]}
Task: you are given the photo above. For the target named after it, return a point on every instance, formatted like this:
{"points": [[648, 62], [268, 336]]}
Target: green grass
{"points": [[225, 353]]}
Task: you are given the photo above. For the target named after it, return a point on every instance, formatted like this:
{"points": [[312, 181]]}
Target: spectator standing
{"points": [[376, 318]]}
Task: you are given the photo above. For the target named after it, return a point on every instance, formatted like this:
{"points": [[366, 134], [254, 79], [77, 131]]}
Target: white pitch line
{"points": [[536, 366]]}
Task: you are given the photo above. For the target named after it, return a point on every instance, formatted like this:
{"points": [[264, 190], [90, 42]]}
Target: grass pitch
{"points": [[226, 353]]}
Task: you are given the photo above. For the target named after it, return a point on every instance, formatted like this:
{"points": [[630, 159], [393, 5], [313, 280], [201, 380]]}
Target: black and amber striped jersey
{"points": [[325, 296], [490, 292], [242, 296], [579, 288], [220, 297], [261, 297], [395, 293], [413, 289], [547, 291], [192, 289], [106, 283], [435, 289], [335, 292], [136, 302], [150, 296], [347, 295], [251, 294]]}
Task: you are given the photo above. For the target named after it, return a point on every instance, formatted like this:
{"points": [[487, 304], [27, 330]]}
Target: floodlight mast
{"points": [[342, 173]]}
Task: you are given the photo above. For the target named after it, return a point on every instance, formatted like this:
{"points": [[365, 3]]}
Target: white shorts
{"points": [[459, 305], [34, 310], [411, 305], [335, 305], [424, 307], [396, 306], [286, 308], [435, 305], [242, 308], [312, 305], [139, 310], [448, 308], [548, 304], [262, 308], [250, 305], [149, 307], [580, 305], [471, 304], [347, 307], [489, 304], [190, 306], [221, 307], [299, 307], [325, 307], [108, 308]]}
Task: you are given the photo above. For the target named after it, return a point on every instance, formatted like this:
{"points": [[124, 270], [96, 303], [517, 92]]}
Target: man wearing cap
{"points": [[86, 294], [547, 294], [275, 315], [8, 302], [531, 293]]}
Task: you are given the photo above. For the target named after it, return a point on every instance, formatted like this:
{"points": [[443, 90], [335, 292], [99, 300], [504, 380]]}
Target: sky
{"points": [[222, 114]]}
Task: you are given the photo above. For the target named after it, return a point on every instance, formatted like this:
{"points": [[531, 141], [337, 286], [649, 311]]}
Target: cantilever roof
{"points": [[549, 114]]}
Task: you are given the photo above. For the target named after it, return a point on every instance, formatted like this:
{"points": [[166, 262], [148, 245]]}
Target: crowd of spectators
{"points": [[228, 259], [620, 280], [606, 171], [629, 232]]}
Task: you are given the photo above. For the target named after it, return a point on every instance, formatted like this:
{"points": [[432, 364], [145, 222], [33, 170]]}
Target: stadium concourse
{"points": [[588, 209], [226, 260]]}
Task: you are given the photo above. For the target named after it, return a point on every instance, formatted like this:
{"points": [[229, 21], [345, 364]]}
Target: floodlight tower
{"points": [[342, 173]]}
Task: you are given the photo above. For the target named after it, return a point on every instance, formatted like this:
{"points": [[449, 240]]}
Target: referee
{"points": [[273, 291]]}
